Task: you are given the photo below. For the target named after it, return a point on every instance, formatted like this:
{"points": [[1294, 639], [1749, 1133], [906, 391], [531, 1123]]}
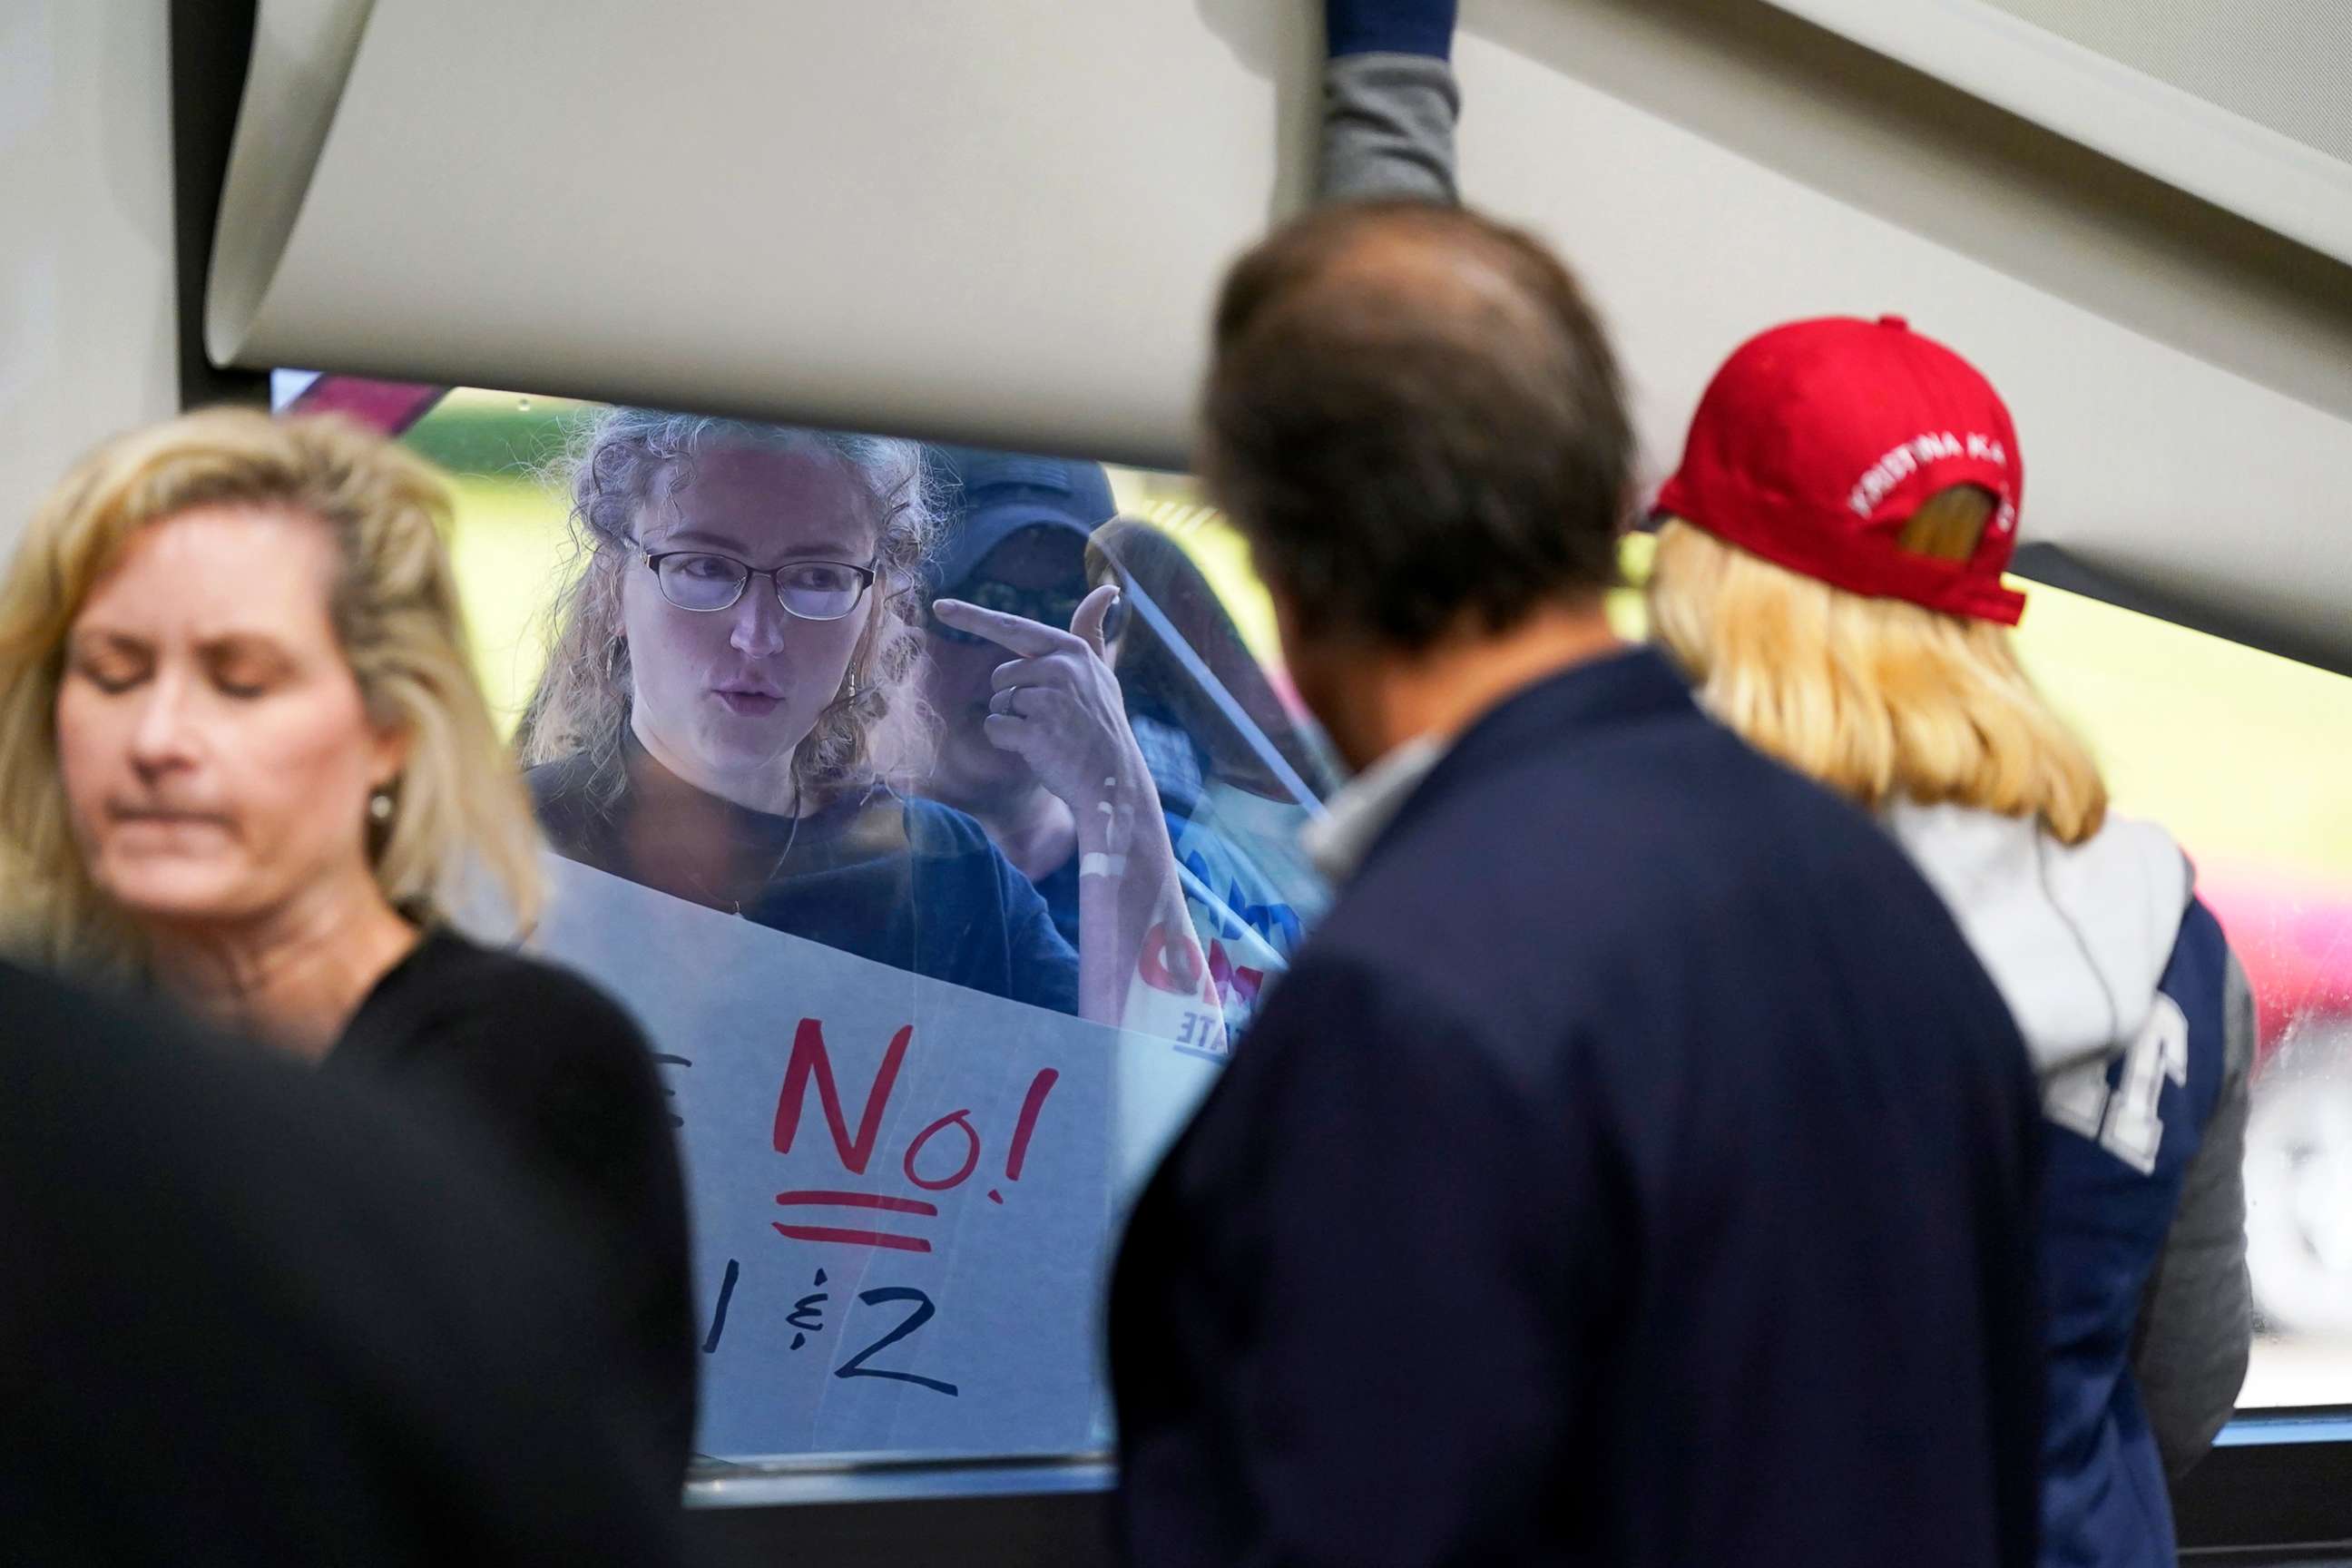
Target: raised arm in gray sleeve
{"points": [[2196, 1321], [1388, 128]]}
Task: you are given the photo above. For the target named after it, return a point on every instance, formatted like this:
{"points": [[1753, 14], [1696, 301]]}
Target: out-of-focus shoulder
{"points": [[502, 991]]}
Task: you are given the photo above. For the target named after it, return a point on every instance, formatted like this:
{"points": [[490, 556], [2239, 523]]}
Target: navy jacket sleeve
{"points": [[1406, 1382]]}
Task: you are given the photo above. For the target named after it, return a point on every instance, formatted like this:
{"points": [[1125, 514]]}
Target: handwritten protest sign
{"points": [[904, 1194]]}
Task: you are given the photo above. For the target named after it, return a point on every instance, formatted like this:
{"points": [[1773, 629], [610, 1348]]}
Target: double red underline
{"points": [[856, 1201]]}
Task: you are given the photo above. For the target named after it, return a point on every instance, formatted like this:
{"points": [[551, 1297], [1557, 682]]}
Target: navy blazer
{"points": [[1636, 1168]]}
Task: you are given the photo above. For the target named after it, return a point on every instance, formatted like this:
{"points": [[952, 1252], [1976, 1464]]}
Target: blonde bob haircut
{"points": [[460, 812], [1879, 698]]}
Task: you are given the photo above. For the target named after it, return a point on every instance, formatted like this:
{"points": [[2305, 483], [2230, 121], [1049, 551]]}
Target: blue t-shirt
{"points": [[908, 883], [1248, 924], [1247, 929]]}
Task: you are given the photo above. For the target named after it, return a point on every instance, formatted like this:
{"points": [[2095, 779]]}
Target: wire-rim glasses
{"points": [[705, 582]]}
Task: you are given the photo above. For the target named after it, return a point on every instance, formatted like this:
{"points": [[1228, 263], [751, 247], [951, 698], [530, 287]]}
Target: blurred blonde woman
{"points": [[244, 762], [1829, 574]]}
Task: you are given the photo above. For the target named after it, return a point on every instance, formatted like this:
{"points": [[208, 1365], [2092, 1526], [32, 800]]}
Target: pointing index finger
{"points": [[1016, 633]]}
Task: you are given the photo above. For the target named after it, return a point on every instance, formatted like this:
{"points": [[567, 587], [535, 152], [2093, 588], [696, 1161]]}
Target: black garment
{"points": [[908, 883], [1635, 1168], [556, 1070], [251, 1317]]}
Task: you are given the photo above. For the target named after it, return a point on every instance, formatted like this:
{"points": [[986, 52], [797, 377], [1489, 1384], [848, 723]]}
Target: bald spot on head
{"points": [[1388, 275], [1415, 416]]}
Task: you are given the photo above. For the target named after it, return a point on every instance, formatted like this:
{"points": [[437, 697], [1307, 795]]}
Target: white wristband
{"points": [[1094, 863]]}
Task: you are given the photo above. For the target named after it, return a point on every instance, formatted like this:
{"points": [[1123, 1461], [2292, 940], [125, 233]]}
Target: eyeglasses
{"points": [[808, 590], [1052, 606]]}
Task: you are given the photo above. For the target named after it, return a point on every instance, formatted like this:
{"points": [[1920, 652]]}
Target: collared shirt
{"points": [[1354, 818]]}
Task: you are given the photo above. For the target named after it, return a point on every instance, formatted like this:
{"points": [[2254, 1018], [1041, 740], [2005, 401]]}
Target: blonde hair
{"points": [[874, 730], [460, 807], [1879, 698]]}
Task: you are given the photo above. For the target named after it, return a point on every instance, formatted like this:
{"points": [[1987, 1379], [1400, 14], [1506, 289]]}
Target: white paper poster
{"points": [[904, 1192]]}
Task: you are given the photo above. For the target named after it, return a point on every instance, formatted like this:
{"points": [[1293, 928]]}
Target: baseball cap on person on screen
{"points": [[1818, 441], [994, 495]]}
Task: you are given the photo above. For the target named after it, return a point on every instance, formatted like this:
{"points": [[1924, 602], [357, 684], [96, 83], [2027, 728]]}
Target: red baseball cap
{"points": [[1817, 441]]}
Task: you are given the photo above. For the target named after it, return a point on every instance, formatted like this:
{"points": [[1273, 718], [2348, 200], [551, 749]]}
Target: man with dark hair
{"points": [[246, 1317], [1635, 1167], [1434, 338]]}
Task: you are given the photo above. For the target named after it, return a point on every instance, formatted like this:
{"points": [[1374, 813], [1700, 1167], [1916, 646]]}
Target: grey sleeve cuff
{"points": [[1388, 128], [2197, 1318]]}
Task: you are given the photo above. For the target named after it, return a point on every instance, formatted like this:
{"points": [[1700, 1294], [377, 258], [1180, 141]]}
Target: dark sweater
{"points": [[556, 1071], [249, 1315], [1636, 1167]]}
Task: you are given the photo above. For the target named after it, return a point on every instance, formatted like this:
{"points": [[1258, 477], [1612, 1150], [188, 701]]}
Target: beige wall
{"points": [[86, 337]]}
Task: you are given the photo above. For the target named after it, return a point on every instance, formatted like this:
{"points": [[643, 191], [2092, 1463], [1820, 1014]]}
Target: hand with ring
{"points": [[1057, 704]]}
